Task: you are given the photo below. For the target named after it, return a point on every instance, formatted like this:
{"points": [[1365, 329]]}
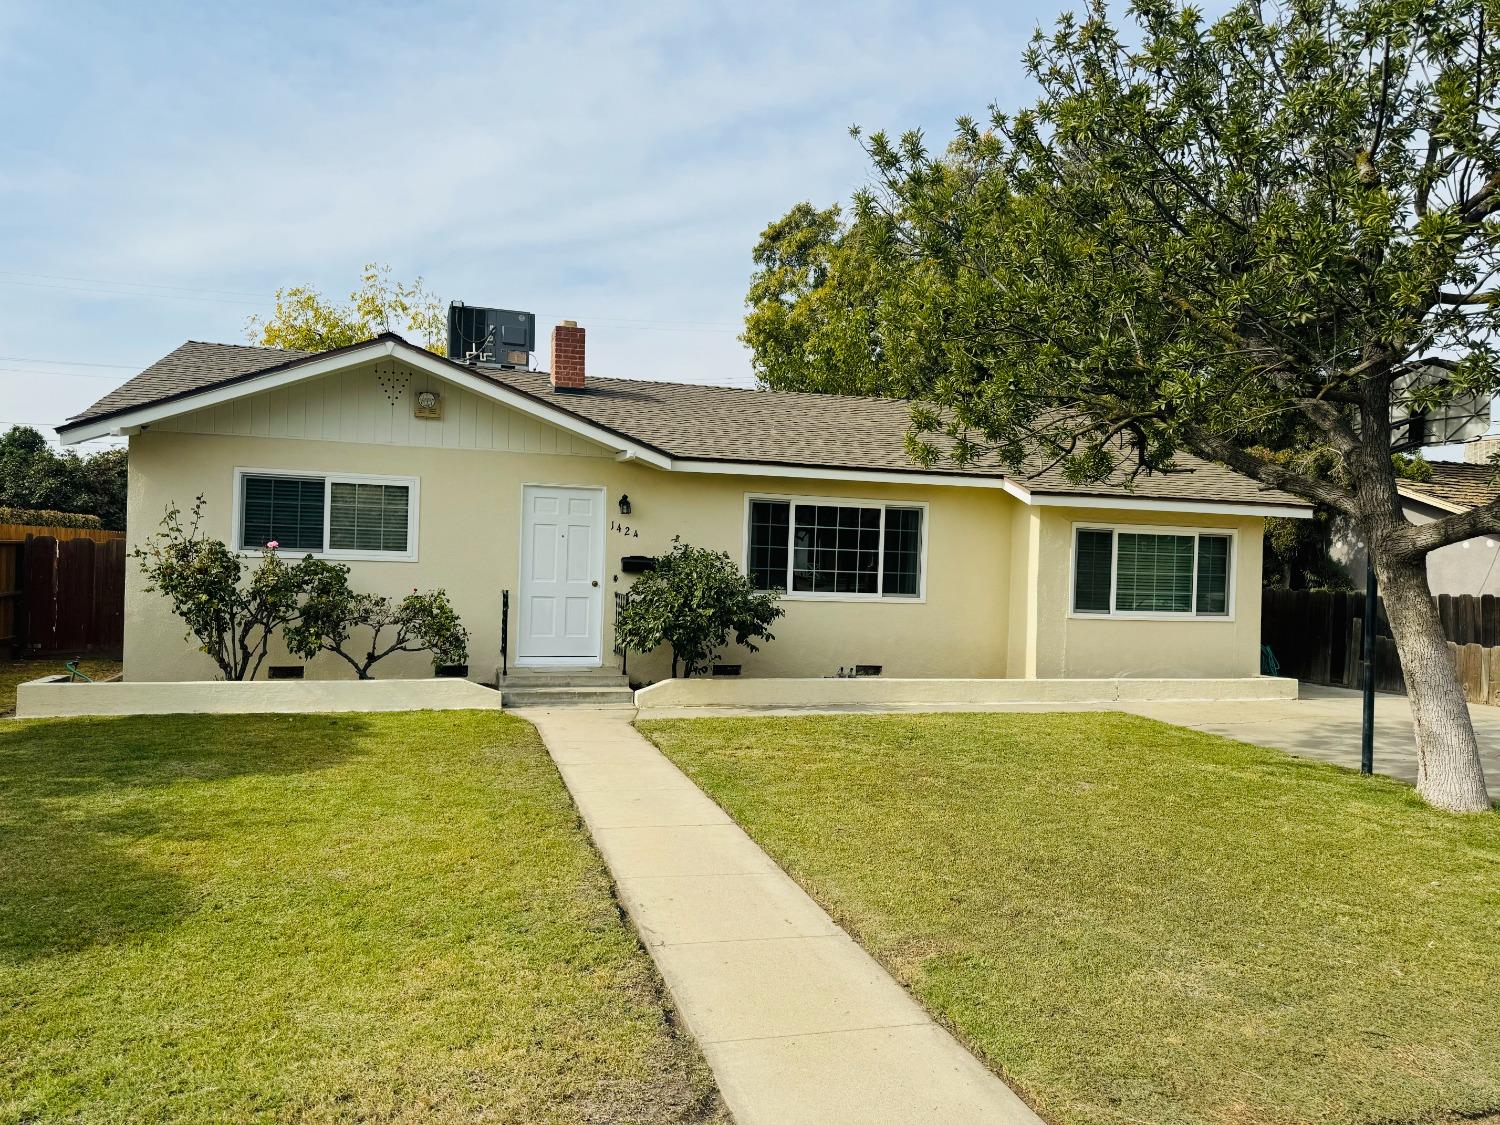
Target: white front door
{"points": [[562, 571]]}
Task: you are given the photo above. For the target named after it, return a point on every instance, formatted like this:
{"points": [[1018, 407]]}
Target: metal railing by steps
{"points": [[558, 687]]}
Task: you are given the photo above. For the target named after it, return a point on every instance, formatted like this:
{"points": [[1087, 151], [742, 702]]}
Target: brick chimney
{"points": [[567, 357]]}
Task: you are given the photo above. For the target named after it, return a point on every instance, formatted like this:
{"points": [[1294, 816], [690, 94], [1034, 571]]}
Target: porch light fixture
{"points": [[624, 504]]}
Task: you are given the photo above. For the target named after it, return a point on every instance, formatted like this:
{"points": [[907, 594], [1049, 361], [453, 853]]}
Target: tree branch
{"points": [[1207, 444], [1413, 541], [1448, 298]]}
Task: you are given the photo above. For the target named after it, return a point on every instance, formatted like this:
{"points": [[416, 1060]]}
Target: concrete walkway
{"points": [[799, 1024]]}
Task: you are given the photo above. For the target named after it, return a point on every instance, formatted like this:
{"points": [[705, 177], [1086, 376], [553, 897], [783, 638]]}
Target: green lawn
{"points": [[13, 672], [1138, 923], [361, 917]]}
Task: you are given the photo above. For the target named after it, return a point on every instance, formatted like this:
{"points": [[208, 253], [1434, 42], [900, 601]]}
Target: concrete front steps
{"points": [[565, 687]]}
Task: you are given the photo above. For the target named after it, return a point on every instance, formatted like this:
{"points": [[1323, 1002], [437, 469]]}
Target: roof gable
{"points": [[373, 402], [182, 382]]}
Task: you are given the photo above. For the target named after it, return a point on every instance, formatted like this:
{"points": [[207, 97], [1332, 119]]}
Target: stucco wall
{"points": [[1083, 647], [1469, 567], [468, 543]]}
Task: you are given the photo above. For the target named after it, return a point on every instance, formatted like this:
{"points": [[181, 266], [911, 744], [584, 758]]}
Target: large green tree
{"points": [[33, 475], [308, 321], [1264, 240]]}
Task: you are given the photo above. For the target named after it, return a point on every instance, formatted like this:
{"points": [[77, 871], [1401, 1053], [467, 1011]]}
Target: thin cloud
{"points": [[555, 157]]}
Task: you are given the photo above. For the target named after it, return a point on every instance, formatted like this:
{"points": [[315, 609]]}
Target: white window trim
{"points": [[1231, 594], [330, 478], [842, 502]]}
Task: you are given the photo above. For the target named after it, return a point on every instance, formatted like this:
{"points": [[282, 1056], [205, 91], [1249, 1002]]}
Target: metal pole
{"points": [[1367, 733]]}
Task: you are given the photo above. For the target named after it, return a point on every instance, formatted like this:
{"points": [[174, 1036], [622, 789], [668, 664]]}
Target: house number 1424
{"points": [[629, 532]]}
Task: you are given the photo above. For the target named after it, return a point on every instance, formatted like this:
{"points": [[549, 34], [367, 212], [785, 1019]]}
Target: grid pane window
{"points": [[368, 517], [769, 520], [903, 553], [836, 550], [1154, 573], [1092, 564], [284, 510], [1213, 575]]}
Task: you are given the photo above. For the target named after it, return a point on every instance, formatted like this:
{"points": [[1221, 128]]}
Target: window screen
{"points": [[1092, 562], [836, 550], [1213, 575], [769, 520], [1155, 573], [367, 517], [903, 553], [286, 510]]}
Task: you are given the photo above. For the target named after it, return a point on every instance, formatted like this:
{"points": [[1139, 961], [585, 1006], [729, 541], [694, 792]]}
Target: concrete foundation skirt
{"points": [[55, 697], [724, 691]]}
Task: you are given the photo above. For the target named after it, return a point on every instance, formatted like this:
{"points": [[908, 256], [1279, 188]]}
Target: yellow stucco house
{"points": [[519, 487]]}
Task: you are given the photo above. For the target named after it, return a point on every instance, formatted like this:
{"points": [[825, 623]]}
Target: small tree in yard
{"points": [[332, 612], [1268, 240], [232, 619], [694, 600]]}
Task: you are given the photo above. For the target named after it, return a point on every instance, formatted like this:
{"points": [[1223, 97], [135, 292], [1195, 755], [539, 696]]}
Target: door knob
{"points": [[595, 582]]}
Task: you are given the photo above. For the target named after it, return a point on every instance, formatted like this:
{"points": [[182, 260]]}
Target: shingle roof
{"points": [[1456, 484], [193, 367], [706, 423]]}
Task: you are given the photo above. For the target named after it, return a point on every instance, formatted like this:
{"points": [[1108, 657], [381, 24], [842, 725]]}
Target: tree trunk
{"points": [[1449, 773]]}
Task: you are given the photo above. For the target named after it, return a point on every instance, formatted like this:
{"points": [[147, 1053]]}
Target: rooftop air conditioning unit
{"points": [[493, 337]]}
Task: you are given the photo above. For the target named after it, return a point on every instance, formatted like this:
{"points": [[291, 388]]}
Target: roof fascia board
{"points": [[312, 369], [1142, 504], [870, 476], [1430, 500]]}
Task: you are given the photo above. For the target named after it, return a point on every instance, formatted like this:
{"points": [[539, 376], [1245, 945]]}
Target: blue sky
{"points": [[166, 167]]}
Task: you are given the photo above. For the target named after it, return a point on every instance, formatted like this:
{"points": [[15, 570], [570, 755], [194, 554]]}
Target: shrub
{"points": [[42, 517], [332, 612], [232, 619], [694, 600]]}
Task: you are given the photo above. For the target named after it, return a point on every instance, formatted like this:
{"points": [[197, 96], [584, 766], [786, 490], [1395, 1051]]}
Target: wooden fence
{"points": [[11, 614], [1319, 637], [63, 597]]}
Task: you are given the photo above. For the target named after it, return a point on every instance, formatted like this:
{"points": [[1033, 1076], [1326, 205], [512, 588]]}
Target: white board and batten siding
{"points": [[372, 405]]}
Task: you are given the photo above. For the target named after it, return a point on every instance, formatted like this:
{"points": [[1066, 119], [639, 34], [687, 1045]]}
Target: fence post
{"points": [[1367, 727]]}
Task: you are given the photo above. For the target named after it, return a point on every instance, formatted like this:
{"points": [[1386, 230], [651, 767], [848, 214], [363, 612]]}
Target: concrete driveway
{"points": [[1324, 723]]}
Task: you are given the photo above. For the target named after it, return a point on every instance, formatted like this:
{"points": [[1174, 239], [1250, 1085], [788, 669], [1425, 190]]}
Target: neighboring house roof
{"points": [[694, 423], [1455, 486]]}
